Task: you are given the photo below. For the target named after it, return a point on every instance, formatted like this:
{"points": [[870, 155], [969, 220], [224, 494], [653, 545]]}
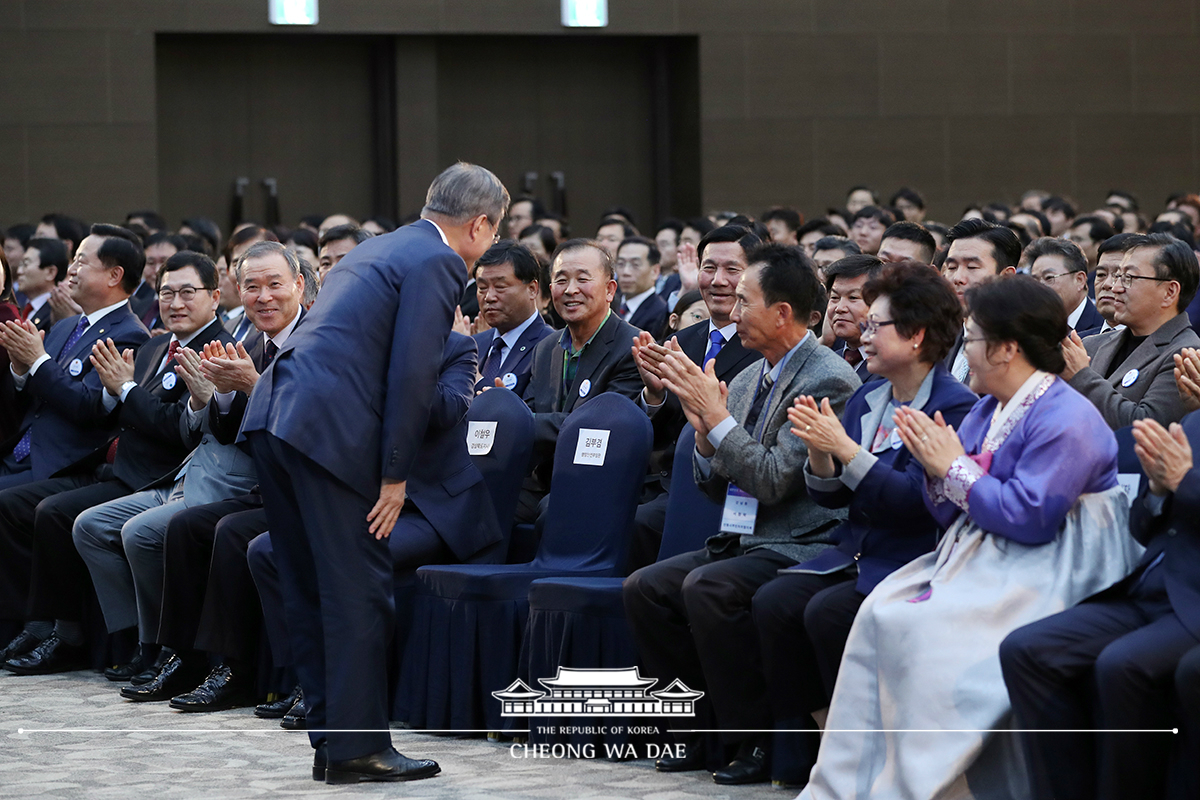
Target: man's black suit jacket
{"points": [[152, 444], [651, 315], [669, 420], [1089, 322], [606, 365]]}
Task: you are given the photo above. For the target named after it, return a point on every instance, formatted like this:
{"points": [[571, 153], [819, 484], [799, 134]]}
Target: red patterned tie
{"points": [[174, 348], [26, 311]]}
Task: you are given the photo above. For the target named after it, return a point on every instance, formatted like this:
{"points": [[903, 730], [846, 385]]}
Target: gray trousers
{"points": [[121, 542]]}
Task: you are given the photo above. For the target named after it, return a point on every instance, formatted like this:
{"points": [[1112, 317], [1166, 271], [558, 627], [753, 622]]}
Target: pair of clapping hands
{"points": [[932, 442], [217, 368], [665, 367]]}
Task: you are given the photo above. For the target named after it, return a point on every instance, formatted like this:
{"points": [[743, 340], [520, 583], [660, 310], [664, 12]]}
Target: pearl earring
{"points": [[915, 345]]}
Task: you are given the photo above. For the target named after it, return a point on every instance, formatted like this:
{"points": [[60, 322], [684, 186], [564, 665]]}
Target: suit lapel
{"points": [[1146, 352], [150, 364], [790, 370], [732, 355], [101, 328]]}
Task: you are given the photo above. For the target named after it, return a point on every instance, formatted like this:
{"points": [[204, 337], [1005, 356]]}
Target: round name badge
{"points": [[509, 380], [75, 367], [585, 387], [894, 440], [1130, 378], [168, 381]]}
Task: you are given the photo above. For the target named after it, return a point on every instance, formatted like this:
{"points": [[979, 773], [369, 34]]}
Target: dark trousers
{"points": [[337, 597], [260, 557], [59, 580], [18, 512], [787, 613], [691, 619], [188, 560], [1109, 663], [648, 524], [1187, 689]]}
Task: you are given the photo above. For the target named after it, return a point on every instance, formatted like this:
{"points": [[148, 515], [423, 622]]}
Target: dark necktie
{"points": [[269, 353], [852, 355], [21, 451], [760, 402], [491, 365], [623, 311], [718, 341]]}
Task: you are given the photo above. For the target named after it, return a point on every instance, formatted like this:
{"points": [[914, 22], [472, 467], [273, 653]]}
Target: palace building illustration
{"points": [[598, 692]]}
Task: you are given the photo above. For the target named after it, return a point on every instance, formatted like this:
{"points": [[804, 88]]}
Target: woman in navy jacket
{"points": [[804, 615]]}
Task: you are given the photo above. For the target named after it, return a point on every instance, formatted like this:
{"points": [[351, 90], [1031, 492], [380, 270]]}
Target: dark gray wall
{"points": [[799, 99]]}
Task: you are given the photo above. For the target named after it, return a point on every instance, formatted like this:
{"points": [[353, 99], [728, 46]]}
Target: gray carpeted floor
{"points": [[148, 751]]}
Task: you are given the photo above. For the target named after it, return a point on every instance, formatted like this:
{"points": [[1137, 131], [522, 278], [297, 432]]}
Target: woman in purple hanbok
{"points": [[1028, 492]]}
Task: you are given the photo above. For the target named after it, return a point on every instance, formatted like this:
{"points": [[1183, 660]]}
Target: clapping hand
{"points": [[701, 394], [1187, 377], [113, 366], [648, 356], [462, 323], [188, 366], [61, 304], [822, 431], [24, 343], [1075, 354], [931, 441], [229, 367], [1166, 455]]}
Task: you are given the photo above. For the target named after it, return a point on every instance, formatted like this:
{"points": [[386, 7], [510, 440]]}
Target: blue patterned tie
{"points": [[623, 311], [718, 341], [21, 451]]}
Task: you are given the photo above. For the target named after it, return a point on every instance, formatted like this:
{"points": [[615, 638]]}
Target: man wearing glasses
{"points": [[1063, 267], [1129, 375]]}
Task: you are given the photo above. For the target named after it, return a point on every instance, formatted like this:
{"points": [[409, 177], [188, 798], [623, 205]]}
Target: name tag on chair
{"points": [[591, 447], [480, 437], [741, 510]]}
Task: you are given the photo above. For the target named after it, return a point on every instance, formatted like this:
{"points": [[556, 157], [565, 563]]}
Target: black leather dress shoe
{"points": [[386, 765], [277, 708], [174, 677], [21, 644], [297, 718], [750, 767], [138, 664], [320, 761], [150, 671], [52, 655], [222, 689]]}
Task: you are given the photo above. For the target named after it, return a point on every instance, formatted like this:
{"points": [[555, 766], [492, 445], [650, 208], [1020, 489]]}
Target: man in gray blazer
{"points": [[690, 614], [1129, 374]]}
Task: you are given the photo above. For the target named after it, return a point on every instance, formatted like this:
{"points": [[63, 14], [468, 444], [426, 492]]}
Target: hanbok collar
{"points": [[1006, 417]]}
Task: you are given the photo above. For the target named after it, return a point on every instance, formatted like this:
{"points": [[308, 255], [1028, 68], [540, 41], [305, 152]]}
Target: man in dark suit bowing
{"points": [[507, 277], [1109, 662], [335, 423], [722, 257], [589, 357]]}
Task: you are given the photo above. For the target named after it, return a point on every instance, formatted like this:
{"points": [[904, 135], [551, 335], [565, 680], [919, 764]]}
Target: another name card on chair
{"points": [[480, 437], [591, 447], [1131, 483]]}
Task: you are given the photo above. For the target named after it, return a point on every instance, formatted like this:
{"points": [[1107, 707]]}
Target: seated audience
{"points": [[333, 246], [1129, 375], [847, 309], [804, 616], [977, 252], [690, 614], [867, 227], [907, 241], [637, 275], [782, 224], [689, 310], [41, 268], [829, 249], [1024, 526]]}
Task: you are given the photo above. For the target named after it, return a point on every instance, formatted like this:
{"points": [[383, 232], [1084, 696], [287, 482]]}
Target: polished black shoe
{"points": [[749, 767], [21, 644], [174, 678], [297, 718], [50, 656], [278, 708], [386, 765], [150, 672], [141, 660], [222, 689], [320, 761]]}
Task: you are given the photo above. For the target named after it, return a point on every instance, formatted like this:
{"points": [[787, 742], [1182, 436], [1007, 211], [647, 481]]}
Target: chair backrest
{"points": [[691, 516], [599, 465], [1129, 469], [505, 465]]}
